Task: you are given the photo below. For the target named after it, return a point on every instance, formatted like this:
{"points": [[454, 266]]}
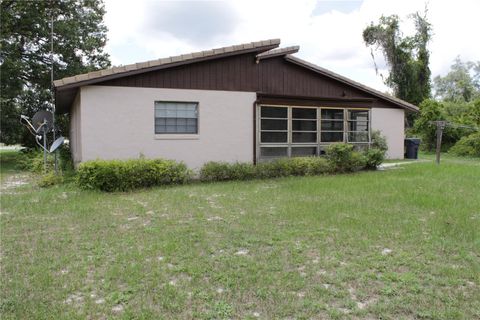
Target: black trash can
{"points": [[411, 148]]}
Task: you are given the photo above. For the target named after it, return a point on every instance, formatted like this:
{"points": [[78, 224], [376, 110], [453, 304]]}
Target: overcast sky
{"points": [[329, 33]]}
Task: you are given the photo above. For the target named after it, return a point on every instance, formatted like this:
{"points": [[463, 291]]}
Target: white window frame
{"points": [[175, 135]]}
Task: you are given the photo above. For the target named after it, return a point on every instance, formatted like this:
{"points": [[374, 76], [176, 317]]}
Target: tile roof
{"points": [[278, 52], [190, 57]]}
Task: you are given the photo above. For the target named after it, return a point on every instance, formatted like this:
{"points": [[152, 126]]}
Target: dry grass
{"points": [[397, 244]]}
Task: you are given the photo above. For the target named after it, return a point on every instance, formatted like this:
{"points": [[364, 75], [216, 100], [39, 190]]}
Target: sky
{"points": [[329, 32]]}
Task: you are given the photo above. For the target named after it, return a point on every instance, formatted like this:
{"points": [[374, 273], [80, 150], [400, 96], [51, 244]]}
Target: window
{"points": [[358, 126], [304, 125], [287, 131], [332, 125], [176, 117], [274, 125]]}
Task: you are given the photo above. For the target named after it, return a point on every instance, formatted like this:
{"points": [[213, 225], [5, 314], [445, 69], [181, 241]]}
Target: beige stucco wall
{"points": [[75, 131], [391, 123], [118, 123]]}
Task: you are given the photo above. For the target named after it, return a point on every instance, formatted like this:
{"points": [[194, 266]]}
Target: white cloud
{"points": [[329, 32]]}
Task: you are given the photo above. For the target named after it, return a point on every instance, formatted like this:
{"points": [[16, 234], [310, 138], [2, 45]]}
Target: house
{"points": [[249, 102]]}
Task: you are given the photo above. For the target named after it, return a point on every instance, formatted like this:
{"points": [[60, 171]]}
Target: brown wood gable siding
{"points": [[241, 73]]}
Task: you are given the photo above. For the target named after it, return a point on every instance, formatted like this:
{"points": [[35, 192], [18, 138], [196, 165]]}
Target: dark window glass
{"points": [[273, 152], [274, 124], [358, 126], [273, 137], [304, 125], [304, 137], [358, 115], [332, 114], [304, 113], [304, 151], [332, 136], [358, 137], [274, 112], [332, 125]]}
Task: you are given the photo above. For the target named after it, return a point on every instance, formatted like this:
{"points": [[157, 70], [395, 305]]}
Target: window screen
{"points": [[273, 125], [358, 126], [332, 125], [176, 117]]}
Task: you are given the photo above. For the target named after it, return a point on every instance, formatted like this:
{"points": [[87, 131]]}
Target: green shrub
{"points": [[379, 141], [65, 158], [50, 179], [32, 160], [301, 166], [373, 157], [117, 175], [467, 146], [342, 158], [222, 171], [243, 171]]}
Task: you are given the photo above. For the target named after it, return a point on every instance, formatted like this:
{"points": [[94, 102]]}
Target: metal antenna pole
{"points": [[51, 84], [440, 126], [44, 151]]}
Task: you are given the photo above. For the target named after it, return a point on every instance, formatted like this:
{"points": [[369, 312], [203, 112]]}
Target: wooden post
{"points": [[440, 126]]}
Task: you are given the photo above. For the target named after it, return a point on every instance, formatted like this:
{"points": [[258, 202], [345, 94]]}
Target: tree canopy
{"points": [[78, 45], [461, 84], [406, 56]]}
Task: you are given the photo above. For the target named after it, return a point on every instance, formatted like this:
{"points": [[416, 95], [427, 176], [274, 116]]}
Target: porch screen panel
{"points": [[358, 126], [332, 125], [273, 125], [304, 125]]}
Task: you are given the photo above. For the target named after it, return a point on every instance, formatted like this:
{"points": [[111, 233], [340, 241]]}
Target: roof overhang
{"points": [[266, 98], [66, 88], [398, 102]]}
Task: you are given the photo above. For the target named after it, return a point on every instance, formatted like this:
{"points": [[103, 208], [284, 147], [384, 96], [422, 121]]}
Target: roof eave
{"points": [[160, 67], [330, 74]]}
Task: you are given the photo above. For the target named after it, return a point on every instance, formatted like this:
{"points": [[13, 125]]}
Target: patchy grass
{"points": [[395, 244]]}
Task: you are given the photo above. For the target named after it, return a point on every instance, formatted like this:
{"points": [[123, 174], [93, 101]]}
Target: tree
{"points": [[461, 84], [79, 40], [406, 57]]}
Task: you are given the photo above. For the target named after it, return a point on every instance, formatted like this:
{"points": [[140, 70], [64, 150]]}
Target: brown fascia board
{"points": [[277, 52], [121, 74], [345, 80]]}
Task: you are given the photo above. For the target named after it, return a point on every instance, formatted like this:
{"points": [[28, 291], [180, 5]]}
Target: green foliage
{"points": [[431, 110], [50, 179], [221, 171], [378, 141], [65, 158], [343, 159], [459, 85], [79, 40], [301, 166], [32, 160], [467, 146], [373, 157], [117, 175], [406, 57]]}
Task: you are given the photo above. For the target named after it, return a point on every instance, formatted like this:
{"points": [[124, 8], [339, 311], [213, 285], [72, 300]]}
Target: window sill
{"points": [[177, 137]]}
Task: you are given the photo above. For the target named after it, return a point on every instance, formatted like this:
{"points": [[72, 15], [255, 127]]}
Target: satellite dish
{"points": [[42, 121], [56, 144]]}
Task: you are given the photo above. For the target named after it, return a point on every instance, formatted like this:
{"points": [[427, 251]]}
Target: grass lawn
{"points": [[395, 244]]}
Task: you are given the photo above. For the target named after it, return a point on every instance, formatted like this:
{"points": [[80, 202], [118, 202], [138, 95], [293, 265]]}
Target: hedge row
{"points": [[116, 175], [222, 171], [340, 158]]}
